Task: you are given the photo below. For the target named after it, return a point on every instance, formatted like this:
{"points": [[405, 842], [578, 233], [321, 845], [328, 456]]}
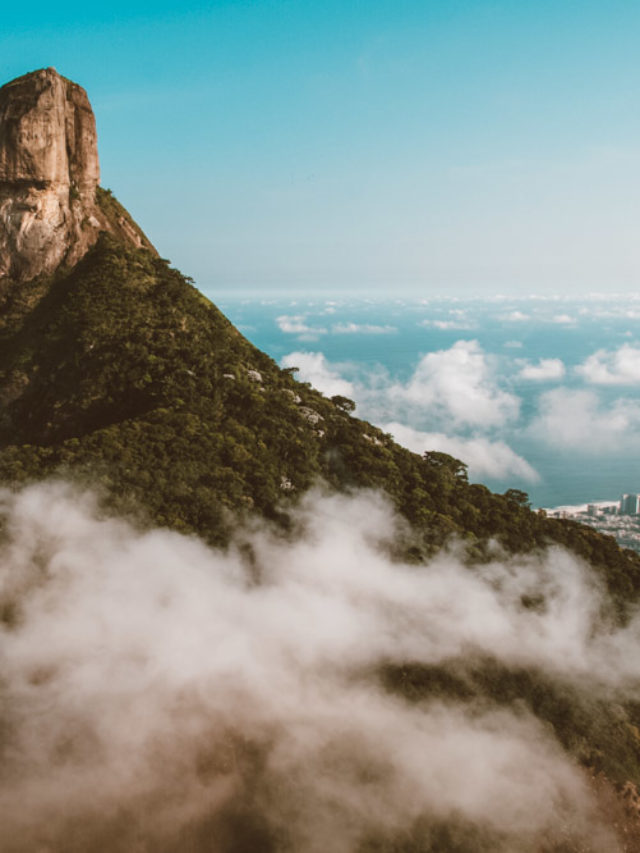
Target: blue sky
{"points": [[384, 147]]}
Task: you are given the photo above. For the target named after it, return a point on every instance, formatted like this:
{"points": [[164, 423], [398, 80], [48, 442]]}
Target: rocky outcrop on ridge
{"points": [[50, 211]]}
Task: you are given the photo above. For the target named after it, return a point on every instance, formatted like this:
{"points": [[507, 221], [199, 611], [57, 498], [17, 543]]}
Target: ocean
{"points": [[539, 394]]}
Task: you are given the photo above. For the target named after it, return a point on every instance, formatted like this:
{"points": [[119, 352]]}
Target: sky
{"points": [[364, 147]]}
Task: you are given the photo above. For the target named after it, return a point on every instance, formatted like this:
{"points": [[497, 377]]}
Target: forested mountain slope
{"points": [[121, 372]]}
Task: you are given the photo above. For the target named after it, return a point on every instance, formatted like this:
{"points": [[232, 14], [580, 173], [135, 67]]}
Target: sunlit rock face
{"points": [[47, 132], [49, 172]]}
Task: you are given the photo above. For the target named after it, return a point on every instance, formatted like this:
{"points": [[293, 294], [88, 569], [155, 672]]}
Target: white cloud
{"points": [[578, 421], [617, 367], [450, 392], [145, 674], [485, 458], [460, 385], [314, 368], [615, 312], [447, 325], [545, 369], [515, 317], [296, 324], [361, 329], [563, 319]]}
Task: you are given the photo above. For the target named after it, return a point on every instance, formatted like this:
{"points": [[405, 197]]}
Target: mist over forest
{"points": [[161, 695]]}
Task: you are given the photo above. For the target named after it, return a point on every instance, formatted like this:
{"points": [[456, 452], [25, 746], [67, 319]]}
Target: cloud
{"points": [[563, 319], [544, 370], [314, 368], [361, 329], [485, 458], [576, 420], [450, 394], [617, 367], [615, 312], [296, 325], [456, 385], [515, 317], [158, 695], [459, 384], [447, 325]]}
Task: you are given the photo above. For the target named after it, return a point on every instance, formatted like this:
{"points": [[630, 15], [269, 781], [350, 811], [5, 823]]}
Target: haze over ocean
{"points": [[536, 393]]}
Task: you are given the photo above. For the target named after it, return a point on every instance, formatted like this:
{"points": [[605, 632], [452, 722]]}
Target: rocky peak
{"points": [[47, 132], [49, 174]]}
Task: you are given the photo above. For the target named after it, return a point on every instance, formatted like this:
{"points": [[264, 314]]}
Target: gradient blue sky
{"points": [[384, 147]]}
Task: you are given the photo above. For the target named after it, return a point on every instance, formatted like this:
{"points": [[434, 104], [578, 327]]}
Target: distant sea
{"points": [[538, 394]]}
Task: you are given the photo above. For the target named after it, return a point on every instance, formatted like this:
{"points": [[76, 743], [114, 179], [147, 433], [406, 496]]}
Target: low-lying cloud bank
{"points": [[612, 367], [452, 402], [296, 324], [579, 420], [161, 696], [457, 401], [459, 384], [546, 369], [484, 458]]}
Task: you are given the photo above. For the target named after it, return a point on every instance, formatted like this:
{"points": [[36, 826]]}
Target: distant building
{"points": [[593, 509], [629, 505]]}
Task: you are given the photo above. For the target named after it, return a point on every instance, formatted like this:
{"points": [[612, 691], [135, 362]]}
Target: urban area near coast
{"points": [[620, 519]]}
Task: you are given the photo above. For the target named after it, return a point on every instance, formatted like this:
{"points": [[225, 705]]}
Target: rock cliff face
{"points": [[49, 172]]}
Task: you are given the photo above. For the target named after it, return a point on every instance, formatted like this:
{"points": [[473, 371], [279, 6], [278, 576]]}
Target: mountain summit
{"points": [[49, 175]]}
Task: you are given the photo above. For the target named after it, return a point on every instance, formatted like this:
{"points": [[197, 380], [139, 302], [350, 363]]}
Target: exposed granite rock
{"points": [[310, 415], [49, 174]]}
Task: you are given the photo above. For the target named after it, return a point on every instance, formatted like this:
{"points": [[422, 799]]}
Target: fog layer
{"points": [[160, 696]]}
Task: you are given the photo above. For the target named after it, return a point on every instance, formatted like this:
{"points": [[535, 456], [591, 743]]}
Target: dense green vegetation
{"points": [[120, 372], [597, 727]]}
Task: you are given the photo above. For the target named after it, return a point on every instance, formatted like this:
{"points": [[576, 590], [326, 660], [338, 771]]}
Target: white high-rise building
{"points": [[629, 505]]}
